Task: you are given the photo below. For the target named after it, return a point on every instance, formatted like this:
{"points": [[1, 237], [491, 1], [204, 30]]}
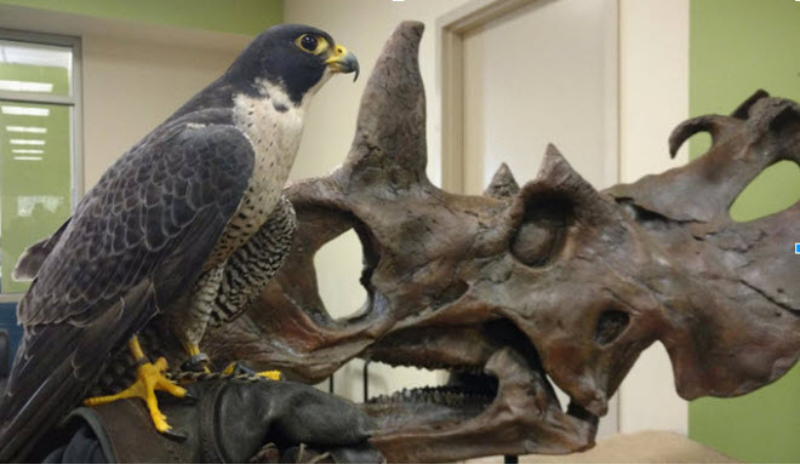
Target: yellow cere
{"points": [[338, 53]]}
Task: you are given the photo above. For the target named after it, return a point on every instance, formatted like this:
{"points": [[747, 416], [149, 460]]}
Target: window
{"points": [[40, 178]]}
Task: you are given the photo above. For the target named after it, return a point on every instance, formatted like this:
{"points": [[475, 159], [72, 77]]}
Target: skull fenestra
{"points": [[554, 279]]}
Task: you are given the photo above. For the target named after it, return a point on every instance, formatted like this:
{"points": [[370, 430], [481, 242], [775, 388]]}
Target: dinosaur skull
{"points": [[521, 287]]}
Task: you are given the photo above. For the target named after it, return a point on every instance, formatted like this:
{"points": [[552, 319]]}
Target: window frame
{"points": [[74, 100]]}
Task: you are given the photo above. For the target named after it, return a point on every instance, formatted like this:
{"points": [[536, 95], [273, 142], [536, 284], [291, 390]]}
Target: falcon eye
{"points": [[309, 42], [312, 44]]}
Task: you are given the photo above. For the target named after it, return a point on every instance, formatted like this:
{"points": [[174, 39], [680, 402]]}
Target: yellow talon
{"points": [[229, 369], [150, 378], [273, 375]]}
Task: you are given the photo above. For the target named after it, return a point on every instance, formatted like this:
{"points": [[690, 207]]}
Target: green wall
{"points": [[35, 196], [235, 16], [738, 46]]}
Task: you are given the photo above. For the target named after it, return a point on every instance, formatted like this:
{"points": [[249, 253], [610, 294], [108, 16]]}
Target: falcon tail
{"points": [[55, 366]]}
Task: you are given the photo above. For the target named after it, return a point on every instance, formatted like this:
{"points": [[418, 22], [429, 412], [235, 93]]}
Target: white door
{"points": [[545, 73]]}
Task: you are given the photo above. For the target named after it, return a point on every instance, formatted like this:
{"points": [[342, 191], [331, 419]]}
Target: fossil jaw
{"points": [[515, 411]]}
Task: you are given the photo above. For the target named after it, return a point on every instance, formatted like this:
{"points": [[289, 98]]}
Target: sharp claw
{"points": [[189, 398], [173, 435]]}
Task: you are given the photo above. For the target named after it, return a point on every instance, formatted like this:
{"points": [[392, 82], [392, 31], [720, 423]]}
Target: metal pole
{"points": [[366, 380]]}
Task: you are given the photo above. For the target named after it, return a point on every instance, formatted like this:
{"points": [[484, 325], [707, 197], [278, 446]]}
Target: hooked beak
{"points": [[342, 61]]}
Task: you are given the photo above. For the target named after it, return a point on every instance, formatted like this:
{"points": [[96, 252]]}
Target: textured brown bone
{"points": [[552, 279]]}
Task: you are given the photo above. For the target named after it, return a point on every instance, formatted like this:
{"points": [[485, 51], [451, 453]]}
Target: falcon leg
{"points": [[150, 378], [197, 362]]}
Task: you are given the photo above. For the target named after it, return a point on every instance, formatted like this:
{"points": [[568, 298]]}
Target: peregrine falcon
{"points": [[155, 234]]}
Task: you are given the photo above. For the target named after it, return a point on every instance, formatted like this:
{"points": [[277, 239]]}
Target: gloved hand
{"points": [[289, 415], [235, 421]]}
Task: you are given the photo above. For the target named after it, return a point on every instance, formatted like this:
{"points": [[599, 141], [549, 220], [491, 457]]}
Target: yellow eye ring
{"points": [[313, 44]]}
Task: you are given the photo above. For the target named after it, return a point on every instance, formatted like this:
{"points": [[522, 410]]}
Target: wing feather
{"points": [[136, 243]]}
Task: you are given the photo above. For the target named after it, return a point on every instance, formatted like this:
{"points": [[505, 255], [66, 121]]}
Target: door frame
{"points": [[451, 28]]}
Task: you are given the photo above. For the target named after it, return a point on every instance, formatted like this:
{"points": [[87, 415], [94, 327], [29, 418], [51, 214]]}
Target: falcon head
{"points": [[297, 58]]}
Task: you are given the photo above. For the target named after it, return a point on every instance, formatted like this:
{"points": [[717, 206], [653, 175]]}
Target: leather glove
{"points": [[234, 421]]}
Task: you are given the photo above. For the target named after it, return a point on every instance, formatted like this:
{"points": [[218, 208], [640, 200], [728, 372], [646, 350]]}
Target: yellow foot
{"points": [[150, 378]]}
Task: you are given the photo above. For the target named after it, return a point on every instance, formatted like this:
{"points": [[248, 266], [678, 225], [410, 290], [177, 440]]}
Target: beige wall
{"points": [[654, 98], [654, 83], [131, 86]]}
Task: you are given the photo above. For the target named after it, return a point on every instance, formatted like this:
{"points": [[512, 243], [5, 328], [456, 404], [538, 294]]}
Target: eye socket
{"points": [[610, 326], [542, 233], [312, 44]]}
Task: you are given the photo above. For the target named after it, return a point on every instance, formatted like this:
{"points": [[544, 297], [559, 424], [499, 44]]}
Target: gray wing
{"points": [[135, 243], [250, 268]]}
